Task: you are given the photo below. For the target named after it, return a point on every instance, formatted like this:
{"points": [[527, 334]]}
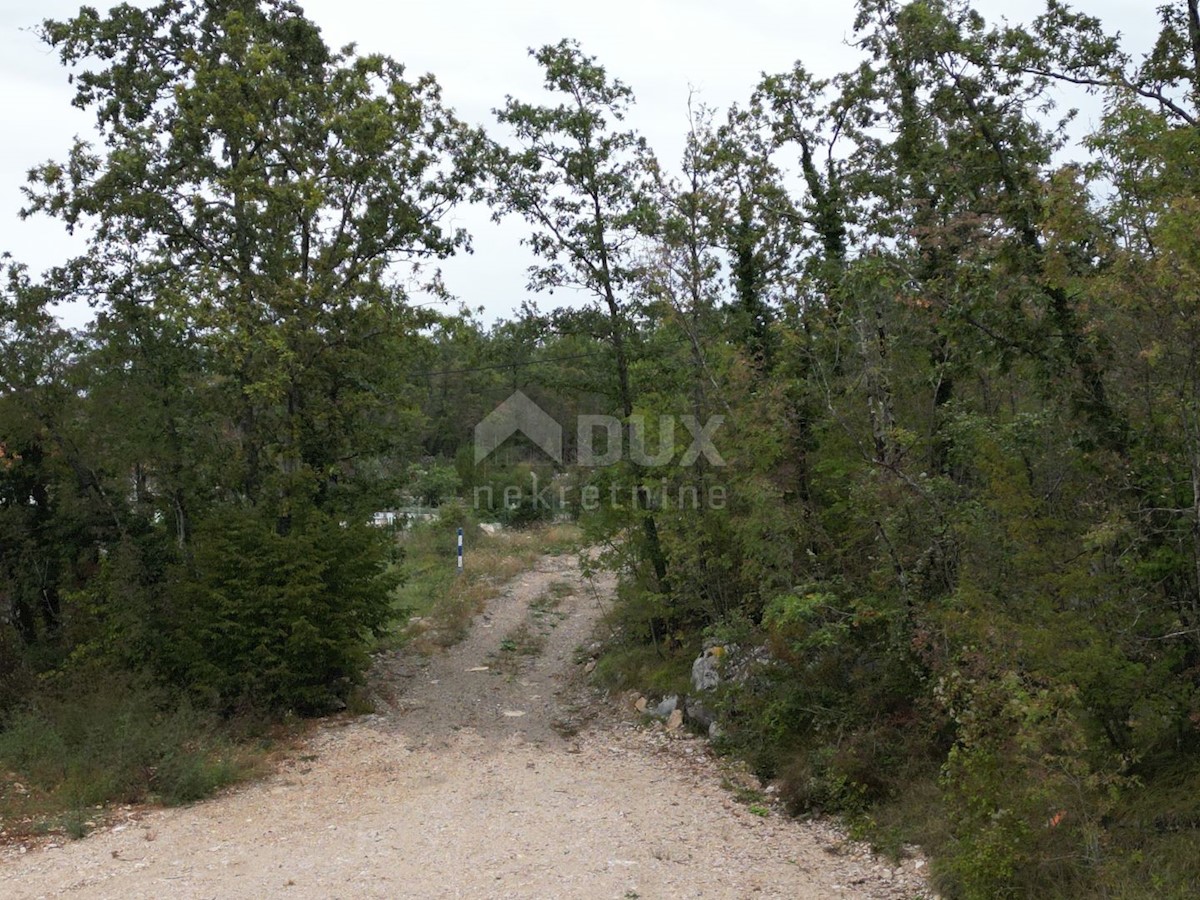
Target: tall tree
{"points": [[247, 203], [251, 195], [44, 514], [578, 180]]}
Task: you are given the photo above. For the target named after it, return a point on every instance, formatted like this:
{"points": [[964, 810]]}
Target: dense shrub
{"points": [[112, 738], [277, 622], [15, 681], [432, 483], [518, 496]]}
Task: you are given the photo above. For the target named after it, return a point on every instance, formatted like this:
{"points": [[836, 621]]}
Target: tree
{"points": [[37, 539], [251, 196], [578, 181], [1146, 147], [247, 203]]}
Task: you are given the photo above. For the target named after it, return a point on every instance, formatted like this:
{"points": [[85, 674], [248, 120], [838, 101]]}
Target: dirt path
{"points": [[465, 786]]}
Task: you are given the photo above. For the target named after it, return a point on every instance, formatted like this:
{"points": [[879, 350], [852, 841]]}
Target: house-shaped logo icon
{"points": [[518, 413]]}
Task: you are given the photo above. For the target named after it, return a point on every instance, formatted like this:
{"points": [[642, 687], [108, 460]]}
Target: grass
{"points": [[116, 740], [529, 637], [743, 794], [912, 815], [520, 643], [543, 610], [639, 667], [560, 590], [1150, 848], [434, 605]]}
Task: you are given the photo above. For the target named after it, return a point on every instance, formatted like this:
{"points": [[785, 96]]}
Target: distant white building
{"points": [[404, 518]]}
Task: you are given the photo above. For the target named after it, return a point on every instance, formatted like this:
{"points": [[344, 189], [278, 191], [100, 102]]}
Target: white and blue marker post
{"points": [[460, 551]]}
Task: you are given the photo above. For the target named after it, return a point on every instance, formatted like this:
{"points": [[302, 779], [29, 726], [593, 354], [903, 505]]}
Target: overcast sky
{"points": [[477, 50]]}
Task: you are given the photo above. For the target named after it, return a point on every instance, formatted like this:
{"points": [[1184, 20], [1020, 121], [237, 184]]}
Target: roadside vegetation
{"points": [[82, 747], [433, 606], [89, 739]]}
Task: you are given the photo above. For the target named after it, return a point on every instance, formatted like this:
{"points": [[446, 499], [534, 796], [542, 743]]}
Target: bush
{"points": [[1023, 795], [518, 497], [115, 739], [15, 680], [432, 484], [278, 622]]}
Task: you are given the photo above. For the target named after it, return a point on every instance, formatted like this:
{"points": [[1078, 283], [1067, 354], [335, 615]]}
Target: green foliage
{"points": [[1025, 793], [113, 739], [518, 496], [278, 622], [961, 447], [183, 484], [433, 483], [427, 563], [15, 679], [635, 666]]}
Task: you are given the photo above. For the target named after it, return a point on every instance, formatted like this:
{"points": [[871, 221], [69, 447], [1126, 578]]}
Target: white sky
{"points": [[477, 50]]}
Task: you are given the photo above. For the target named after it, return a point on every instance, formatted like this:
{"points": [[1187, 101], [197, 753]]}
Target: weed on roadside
{"points": [[434, 605]]}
